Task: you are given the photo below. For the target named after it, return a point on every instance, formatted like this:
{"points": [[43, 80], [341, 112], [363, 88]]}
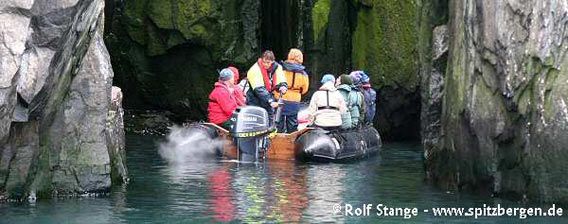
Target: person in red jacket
{"points": [[239, 94], [222, 100]]}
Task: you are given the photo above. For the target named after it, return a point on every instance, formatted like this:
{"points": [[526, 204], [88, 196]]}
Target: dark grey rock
{"points": [[13, 36], [24, 147], [432, 90], [115, 137], [504, 117], [57, 135], [148, 122], [83, 160]]}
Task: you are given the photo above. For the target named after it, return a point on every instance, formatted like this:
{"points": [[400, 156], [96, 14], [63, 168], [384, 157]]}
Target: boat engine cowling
{"points": [[250, 130], [249, 121]]}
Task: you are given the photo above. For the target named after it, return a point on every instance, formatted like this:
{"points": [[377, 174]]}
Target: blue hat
{"points": [[356, 76], [364, 77], [225, 74], [327, 78]]}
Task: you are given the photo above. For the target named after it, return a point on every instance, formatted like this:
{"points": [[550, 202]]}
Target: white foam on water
{"points": [[188, 144]]}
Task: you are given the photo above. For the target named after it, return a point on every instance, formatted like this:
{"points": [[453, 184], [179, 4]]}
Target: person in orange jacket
{"points": [[298, 84]]}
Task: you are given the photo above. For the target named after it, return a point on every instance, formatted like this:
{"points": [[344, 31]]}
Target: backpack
{"points": [[371, 108], [362, 105]]}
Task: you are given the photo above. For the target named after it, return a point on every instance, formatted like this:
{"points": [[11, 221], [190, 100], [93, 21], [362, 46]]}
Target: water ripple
{"points": [[225, 191]]}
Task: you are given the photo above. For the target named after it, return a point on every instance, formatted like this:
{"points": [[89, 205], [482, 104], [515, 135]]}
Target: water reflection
{"points": [[274, 192], [326, 188], [208, 191], [222, 195], [291, 191]]}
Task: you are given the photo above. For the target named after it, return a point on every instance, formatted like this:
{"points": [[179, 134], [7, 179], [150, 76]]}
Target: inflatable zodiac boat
{"points": [[252, 138]]}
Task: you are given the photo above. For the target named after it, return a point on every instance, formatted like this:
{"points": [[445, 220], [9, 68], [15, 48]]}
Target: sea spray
{"points": [[185, 144]]}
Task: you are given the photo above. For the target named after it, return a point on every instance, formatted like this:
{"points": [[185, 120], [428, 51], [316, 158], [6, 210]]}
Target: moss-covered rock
{"points": [[384, 43], [504, 118], [328, 29], [320, 15], [160, 25], [167, 55]]}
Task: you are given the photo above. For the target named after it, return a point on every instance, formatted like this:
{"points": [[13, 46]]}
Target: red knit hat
{"points": [[235, 73]]}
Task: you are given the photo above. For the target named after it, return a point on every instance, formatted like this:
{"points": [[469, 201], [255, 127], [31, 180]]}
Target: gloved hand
{"points": [[274, 104], [283, 89]]}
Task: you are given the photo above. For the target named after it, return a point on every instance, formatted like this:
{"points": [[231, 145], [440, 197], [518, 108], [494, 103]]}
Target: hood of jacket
{"points": [[222, 85], [328, 86], [293, 67], [345, 87]]}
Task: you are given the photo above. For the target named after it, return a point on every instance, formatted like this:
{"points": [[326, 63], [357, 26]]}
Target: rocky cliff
{"points": [[166, 53], [503, 115], [61, 127]]}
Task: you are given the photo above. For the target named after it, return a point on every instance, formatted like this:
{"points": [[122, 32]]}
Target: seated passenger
{"points": [[222, 100], [356, 76], [239, 94], [353, 102], [370, 98], [327, 105]]}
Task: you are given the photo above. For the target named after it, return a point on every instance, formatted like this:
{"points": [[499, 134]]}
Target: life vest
{"points": [[328, 107], [268, 76]]}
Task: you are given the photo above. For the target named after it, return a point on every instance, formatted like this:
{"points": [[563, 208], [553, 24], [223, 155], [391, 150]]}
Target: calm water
{"points": [[214, 191]]}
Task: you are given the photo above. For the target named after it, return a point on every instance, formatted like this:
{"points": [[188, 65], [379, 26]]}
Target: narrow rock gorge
{"points": [[482, 83], [166, 53], [494, 95], [61, 130]]}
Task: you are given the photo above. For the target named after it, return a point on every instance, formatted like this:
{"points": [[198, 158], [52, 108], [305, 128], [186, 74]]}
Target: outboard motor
{"points": [[250, 132]]}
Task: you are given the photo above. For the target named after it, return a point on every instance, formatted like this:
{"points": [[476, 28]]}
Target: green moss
{"points": [[384, 42], [365, 44], [174, 39], [155, 45], [170, 44], [42, 182], [550, 104], [161, 25], [524, 98], [134, 20], [488, 103], [188, 15], [198, 30], [369, 3], [160, 12], [320, 17], [455, 82]]}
